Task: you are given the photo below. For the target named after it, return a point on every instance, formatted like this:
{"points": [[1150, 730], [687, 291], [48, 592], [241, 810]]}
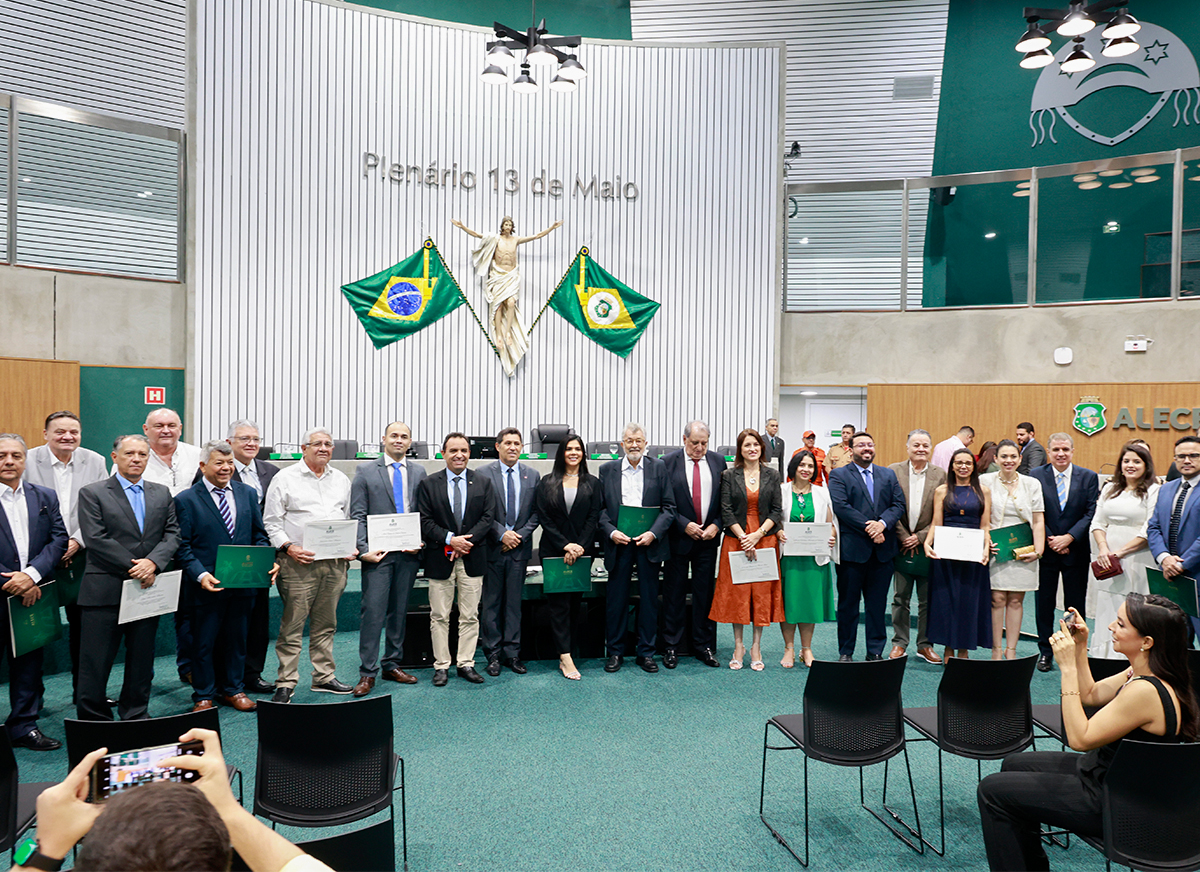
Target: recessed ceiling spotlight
{"points": [[1085, 177], [1024, 193], [1024, 184], [1110, 172], [1116, 185], [1089, 186], [1143, 171], [1147, 178]]}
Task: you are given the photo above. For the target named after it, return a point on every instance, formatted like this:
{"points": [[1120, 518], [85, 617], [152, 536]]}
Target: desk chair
{"points": [[18, 802]]}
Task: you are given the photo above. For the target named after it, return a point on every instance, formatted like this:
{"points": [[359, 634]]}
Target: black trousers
{"points": [[258, 637], [1074, 584], [24, 686], [183, 630], [1032, 788], [620, 578], [561, 611], [99, 640], [702, 565], [219, 668], [500, 607], [869, 582]]}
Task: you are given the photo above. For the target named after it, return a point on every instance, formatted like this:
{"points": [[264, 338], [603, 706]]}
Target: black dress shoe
{"points": [[648, 664], [874, 656], [493, 667], [439, 678], [36, 740], [282, 694], [333, 686], [258, 686], [671, 658], [845, 658], [469, 673], [1045, 663], [516, 666], [706, 656], [185, 678], [613, 663]]}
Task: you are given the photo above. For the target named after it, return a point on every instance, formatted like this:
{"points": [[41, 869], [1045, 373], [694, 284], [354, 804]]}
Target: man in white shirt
{"points": [[945, 449], [172, 463], [64, 467], [309, 490]]}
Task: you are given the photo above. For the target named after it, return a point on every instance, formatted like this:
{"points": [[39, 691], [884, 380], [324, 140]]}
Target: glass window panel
{"points": [[1189, 285], [1105, 237]]}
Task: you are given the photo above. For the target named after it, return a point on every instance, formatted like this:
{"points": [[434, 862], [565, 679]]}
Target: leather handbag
{"points": [[1114, 568]]}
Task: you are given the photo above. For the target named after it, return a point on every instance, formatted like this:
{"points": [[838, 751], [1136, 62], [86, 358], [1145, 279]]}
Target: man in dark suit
{"points": [[634, 480], [694, 474], [387, 486], [33, 539], [1173, 532], [1070, 493], [513, 522], [1033, 454], [868, 502], [456, 520], [776, 451], [213, 512], [130, 531]]}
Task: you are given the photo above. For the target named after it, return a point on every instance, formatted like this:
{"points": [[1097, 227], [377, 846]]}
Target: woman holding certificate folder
{"points": [[751, 511], [568, 507], [1016, 501], [959, 592]]}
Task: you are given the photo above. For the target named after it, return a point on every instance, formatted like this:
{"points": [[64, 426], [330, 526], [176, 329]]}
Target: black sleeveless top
{"points": [[1093, 765]]}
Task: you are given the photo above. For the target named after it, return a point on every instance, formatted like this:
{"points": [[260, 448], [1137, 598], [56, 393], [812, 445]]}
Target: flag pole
{"points": [[446, 267], [546, 305]]}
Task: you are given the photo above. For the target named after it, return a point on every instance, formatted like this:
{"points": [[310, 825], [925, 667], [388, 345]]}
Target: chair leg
{"points": [[403, 816], [762, 787], [919, 845]]}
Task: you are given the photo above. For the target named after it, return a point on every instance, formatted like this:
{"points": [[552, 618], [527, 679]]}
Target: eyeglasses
{"points": [[246, 439], [1192, 457], [320, 444]]}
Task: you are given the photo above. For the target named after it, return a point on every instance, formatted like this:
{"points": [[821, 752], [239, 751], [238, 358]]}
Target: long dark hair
{"points": [[794, 464], [1164, 621], [952, 479], [987, 456], [560, 459], [1142, 485]]}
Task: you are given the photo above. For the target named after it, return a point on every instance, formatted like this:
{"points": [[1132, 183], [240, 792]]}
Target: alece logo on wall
{"points": [[1163, 67], [1089, 416]]}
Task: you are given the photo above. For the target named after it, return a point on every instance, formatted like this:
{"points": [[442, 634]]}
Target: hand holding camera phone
{"points": [[126, 770]]}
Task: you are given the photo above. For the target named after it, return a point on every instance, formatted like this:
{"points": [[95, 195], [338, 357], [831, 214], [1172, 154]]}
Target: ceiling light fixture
{"points": [[1079, 59], [539, 49], [1033, 39], [1120, 47], [1074, 22], [1122, 25]]}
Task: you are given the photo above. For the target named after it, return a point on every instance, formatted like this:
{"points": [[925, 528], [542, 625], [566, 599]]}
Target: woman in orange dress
{"points": [[751, 512]]}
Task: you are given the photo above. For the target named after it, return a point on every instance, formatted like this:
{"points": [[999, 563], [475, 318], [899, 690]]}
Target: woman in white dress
{"points": [[1016, 499], [1119, 529]]}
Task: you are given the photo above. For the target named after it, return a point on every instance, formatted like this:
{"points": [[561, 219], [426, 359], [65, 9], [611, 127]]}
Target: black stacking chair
{"points": [[1150, 807], [852, 717], [18, 802], [328, 765], [983, 712], [1048, 717], [369, 849]]}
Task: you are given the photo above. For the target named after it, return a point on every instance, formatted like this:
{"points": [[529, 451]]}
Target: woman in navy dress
{"points": [[960, 592]]}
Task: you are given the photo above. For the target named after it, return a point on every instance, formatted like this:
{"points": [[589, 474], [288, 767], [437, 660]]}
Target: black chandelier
{"points": [[539, 51], [1073, 22]]}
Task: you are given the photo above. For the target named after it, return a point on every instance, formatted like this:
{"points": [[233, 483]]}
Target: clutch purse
{"points": [[1023, 550], [1114, 568]]}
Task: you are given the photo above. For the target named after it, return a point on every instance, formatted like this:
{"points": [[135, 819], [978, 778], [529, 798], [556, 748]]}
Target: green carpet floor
{"points": [[620, 772]]}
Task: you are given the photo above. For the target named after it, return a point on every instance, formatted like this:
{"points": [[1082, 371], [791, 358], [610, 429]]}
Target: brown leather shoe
{"points": [[930, 656], [897, 651], [399, 675], [202, 705], [239, 701], [364, 686]]}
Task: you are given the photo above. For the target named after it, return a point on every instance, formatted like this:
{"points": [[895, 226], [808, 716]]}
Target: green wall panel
{"points": [[599, 19], [112, 401]]}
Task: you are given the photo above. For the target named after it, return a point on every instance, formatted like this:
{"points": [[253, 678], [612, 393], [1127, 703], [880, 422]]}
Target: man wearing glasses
{"points": [[307, 491], [1173, 532]]}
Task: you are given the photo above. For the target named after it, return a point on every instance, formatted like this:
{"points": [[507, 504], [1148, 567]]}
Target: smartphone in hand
{"points": [[126, 770]]}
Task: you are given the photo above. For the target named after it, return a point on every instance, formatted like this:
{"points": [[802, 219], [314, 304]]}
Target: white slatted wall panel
{"points": [[285, 217], [119, 57]]}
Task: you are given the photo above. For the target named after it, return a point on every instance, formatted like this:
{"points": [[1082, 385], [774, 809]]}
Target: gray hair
{"points": [[138, 436], [769, 420], [14, 437], [633, 429], [693, 426], [215, 446], [308, 434], [912, 433], [1060, 437], [241, 422]]}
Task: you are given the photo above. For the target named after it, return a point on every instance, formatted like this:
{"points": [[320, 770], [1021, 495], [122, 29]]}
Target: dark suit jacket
{"points": [[559, 527], [111, 535], [1075, 518], [1158, 529], [1033, 455], [371, 493], [934, 477], [854, 508], [655, 492], [777, 455], [47, 534], [679, 474], [734, 498], [266, 471], [527, 515], [437, 519], [202, 530]]}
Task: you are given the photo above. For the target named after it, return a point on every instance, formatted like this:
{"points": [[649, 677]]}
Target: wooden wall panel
{"points": [[32, 389], [995, 410]]}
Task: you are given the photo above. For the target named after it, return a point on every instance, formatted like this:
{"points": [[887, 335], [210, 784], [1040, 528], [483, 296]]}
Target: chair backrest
{"points": [[323, 764], [83, 737], [984, 710], [1103, 667], [660, 451], [853, 715], [1194, 668], [1151, 806], [9, 781], [727, 450]]}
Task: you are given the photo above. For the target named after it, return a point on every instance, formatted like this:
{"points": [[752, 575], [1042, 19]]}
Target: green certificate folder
{"points": [[69, 578], [31, 628], [1008, 538], [244, 565], [1180, 589], [915, 563], [557, 577], [633, 521]]}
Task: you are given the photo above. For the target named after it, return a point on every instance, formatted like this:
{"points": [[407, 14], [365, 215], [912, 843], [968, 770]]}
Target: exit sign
{"points": [[156, 396]]}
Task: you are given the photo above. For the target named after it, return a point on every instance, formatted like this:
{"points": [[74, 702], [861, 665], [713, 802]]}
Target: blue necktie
{"points": [[223, 508], [869, 482], [398, 486], [1062, 490], [510, 514], [139, 505]]}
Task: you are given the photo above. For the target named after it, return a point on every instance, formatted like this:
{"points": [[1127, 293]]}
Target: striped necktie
{"points": [[1176, 514], [1062, 490], [223, 508]]}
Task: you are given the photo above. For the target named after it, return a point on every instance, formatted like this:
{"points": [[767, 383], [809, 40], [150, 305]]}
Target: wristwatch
{"points": [[30, 857]]}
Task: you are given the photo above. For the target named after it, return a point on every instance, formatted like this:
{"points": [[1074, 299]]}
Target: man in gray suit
{"points": [[514, 520], [918, 479], [385, 487], [776, 452], [129, 528], [64, 467]]}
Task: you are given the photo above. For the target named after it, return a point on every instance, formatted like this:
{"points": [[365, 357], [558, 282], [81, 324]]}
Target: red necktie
{"points": [[696, 491]]}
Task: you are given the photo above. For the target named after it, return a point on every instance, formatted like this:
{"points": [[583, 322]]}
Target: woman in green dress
{"points": [[808, 591]]}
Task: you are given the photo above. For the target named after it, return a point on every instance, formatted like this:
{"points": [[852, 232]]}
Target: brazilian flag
{"points": [[401, 300], [603, 309]]}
